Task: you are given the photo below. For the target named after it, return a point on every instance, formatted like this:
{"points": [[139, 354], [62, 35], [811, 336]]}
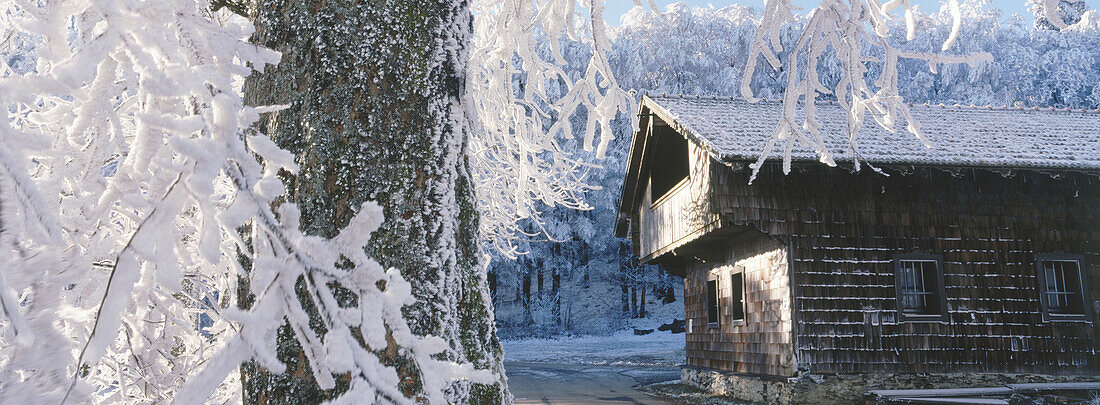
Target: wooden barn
{"points": [[973, 256]]}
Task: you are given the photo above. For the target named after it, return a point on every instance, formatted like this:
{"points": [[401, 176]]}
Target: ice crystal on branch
{"points": [[852, 29]]}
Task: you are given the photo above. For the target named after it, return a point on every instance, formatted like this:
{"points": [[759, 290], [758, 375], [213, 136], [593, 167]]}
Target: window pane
{"points": [[908, 286], [918, 283], [1051, 276], [712, 301], [1072, 276], [929, 286], [737, 291], [1063, 287]]}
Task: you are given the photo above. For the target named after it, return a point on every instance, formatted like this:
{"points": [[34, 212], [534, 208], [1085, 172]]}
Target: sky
{"points": [[616, 8]]}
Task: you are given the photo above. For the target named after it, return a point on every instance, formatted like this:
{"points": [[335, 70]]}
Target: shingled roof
{"points": [[736, 130]]}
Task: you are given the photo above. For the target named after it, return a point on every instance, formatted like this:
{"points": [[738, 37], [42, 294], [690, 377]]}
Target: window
{"points": [[712, 301], [737, 293], [670, 162], [920, 294], [1062, 287]]}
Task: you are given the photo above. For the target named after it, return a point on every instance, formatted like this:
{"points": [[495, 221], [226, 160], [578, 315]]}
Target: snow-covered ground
{"points": [[534, 383], [620, 348]]}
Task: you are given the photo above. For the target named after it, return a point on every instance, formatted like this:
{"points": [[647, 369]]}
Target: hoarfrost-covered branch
{"points": [[516, 154], [851, 30], [128, 165]]}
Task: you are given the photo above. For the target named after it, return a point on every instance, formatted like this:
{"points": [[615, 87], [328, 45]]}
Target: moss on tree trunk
{"points": [[374, 89]]}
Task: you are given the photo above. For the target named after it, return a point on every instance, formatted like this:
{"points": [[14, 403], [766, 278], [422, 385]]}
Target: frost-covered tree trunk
{"points": [[376, 113]]}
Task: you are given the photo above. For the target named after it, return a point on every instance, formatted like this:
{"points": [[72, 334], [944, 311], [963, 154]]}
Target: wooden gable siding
{"points": [[843, 230], [762, 343], [683, 215]]}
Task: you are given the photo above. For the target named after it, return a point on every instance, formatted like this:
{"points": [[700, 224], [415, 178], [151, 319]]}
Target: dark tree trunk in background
{"points": [[375, 114], [539, 277], [526, 287], [634, 300], [626, 298], [555, 278], [668, 287]]}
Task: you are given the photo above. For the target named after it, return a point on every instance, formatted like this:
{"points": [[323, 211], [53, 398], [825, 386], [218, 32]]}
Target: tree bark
{"points": [[375, 91]]}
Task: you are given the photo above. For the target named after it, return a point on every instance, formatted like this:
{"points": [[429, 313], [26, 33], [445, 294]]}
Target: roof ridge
{"points": [[731, 128], [988, 107]]}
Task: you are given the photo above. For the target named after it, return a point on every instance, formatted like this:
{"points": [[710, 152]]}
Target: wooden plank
{"points": [[942, 392], [1055, 386], [972, 401]]}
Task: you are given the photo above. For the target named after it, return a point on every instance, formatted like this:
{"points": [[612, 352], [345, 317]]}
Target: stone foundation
{"points": [[846, 388]]}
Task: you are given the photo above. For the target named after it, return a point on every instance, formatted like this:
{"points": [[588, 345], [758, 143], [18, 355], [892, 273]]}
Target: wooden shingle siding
{"points": [[843, 230], [762, 343]]}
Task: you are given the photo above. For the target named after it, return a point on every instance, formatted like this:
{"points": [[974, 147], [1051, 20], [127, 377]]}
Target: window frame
{"points": [[1086, 303], [940, 291], [716, 300], [738, 270]]}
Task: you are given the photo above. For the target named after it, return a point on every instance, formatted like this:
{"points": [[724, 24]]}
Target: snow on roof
{"points": [[1004, 137]]}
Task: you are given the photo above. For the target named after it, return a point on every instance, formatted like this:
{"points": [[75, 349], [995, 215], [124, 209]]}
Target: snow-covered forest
{"points": [[702, 51], [231, 201]]}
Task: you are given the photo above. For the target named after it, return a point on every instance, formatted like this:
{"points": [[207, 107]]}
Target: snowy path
{"points": [[540, 383], [621, 348], [592, 369]]}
